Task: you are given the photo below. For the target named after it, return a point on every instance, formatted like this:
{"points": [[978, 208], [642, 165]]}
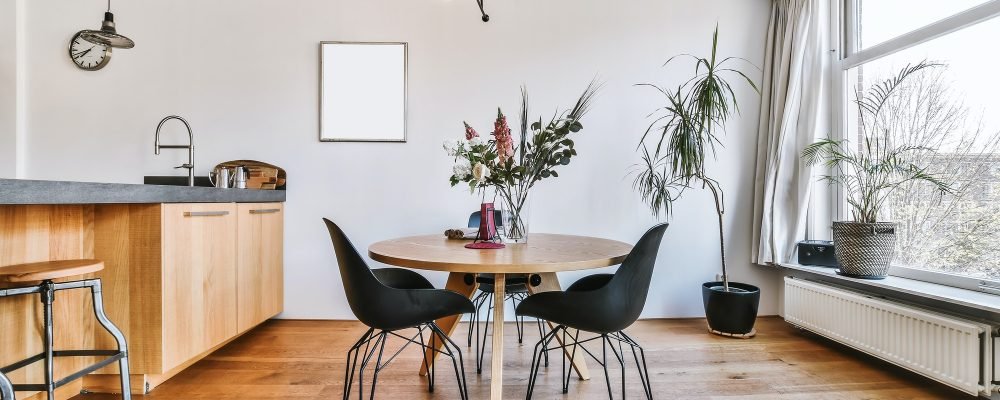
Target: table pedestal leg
{"points": [[550, 283], [496, 366], [456, 283]]}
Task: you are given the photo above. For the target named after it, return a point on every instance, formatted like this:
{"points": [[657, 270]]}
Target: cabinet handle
{"points": [[205, 213], [265, 211]]}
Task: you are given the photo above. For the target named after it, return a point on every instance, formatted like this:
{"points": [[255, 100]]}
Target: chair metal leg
{"points": [[374, 351], [644, 370], [572, 356], [364, 362], [540, 347], [541, 334], [102, 318], [6, 388], [481, 340], [474, 316], [515, 298], [642, 367], [604, 363], [573, 341], [430, 369], [427, 367], [620, 356], [458, 364], [378, 367], [350, 368]]}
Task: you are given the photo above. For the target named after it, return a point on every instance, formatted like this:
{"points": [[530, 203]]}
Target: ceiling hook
{"points": [[482, 9]]}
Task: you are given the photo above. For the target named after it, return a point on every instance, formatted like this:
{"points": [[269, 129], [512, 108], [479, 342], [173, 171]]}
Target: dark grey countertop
{"points": [[22, 191]]}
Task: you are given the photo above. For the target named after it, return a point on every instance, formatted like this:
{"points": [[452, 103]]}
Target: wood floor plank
{"points": [[305, 360]]}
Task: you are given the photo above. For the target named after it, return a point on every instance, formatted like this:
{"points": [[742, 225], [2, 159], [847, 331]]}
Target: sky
{"points": [[970, 54]]}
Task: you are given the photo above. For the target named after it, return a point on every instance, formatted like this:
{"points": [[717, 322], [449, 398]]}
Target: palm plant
{"points": [[689, 128], [882, 163]]}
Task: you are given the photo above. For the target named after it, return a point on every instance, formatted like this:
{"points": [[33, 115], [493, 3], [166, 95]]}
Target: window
{"points": [[952, 107], [882, 20]]}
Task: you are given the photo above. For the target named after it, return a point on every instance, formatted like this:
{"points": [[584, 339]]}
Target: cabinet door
{"points": [[199, 279], [260, 267]]}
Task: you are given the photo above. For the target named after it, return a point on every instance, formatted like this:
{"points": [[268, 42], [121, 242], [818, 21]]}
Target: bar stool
{"points": [[46, 272]]}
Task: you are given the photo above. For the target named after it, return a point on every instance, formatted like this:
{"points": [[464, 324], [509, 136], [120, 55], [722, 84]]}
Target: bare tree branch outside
{"points": [[957, 233]]}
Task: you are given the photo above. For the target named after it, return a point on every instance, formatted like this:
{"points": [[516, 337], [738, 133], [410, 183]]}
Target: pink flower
{"points": [[469, 132], [504, 140]]}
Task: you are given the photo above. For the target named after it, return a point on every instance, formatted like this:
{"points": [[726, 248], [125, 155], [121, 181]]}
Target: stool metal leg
{"points": [[46, 291], [109, 326], [6, 389], [47, 294]]}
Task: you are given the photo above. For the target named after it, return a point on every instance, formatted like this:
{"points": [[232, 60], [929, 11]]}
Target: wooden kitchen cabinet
{"points": [[260, 276], [183, 279], [199, 279]]}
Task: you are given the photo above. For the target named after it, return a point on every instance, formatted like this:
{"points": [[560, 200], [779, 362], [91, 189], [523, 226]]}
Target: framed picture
{"points": [[362, 92]]}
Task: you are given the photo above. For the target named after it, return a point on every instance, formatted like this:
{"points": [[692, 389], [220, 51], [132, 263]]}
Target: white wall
{"points": [[245, 74], [8, 88]]}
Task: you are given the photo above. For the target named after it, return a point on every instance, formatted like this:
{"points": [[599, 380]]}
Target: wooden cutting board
{"points": [[261, 175]]}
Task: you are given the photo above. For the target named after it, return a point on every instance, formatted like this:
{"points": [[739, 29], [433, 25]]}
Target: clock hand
{"points": [[83, 53]]}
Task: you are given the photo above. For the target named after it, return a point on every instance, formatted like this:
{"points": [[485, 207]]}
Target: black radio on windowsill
{"points": [[817, 252]]}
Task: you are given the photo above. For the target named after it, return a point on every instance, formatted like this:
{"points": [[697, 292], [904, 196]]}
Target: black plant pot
{"points": [[733, 312]]}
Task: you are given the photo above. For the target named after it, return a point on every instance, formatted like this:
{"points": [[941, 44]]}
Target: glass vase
{"points": [[515, 214]]}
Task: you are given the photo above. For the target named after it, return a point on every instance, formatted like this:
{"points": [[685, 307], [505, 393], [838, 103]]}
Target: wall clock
{"points": [[88, 56], [90, 49]]}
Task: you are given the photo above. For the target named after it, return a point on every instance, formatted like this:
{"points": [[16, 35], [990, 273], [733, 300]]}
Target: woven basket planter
{"points": [[864, 250]]}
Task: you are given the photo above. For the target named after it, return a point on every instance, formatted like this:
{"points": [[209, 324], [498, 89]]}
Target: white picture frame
{"points": [[363, 91]]}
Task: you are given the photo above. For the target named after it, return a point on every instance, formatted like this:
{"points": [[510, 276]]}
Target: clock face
{"points": [[88, 56]]}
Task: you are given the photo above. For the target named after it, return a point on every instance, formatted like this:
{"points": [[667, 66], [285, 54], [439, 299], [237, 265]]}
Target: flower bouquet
{"points": [[512, 165]]}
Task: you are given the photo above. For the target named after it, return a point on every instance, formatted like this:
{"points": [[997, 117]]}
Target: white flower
{"points": [[462, 168], [480, 172], [453, 146], [477, 141]]}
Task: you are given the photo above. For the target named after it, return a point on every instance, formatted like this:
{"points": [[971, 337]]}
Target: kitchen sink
{"points": [[201, 181]]}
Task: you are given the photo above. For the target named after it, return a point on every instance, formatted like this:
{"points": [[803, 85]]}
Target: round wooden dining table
{"points": [[543, 255]]}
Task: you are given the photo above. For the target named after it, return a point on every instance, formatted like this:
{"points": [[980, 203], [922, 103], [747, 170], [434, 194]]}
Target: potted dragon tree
{"points": [[682, 137], [869, 173]]}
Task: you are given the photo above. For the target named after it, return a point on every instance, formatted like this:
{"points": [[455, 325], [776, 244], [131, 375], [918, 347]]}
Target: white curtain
{"points": [[792, 115]]}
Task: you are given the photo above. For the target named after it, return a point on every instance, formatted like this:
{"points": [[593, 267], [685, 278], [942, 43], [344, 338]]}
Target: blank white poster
{"points": [[363, 92]]}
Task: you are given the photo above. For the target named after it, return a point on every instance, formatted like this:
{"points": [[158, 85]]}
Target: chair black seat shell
{"points": [[400, 299], [604, 304], [392, 299]]}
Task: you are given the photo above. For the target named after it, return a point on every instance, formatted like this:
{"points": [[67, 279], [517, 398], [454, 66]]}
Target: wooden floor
{"points": [[305, 360]]}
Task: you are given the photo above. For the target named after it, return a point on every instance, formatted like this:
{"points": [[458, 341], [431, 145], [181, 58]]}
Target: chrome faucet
{"points": [[189, 147]]}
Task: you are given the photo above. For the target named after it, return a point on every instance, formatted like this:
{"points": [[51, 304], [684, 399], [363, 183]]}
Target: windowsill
{"points": [[961, 300]]}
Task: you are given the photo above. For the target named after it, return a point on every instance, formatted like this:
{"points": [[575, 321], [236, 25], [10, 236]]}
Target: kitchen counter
{"points": [[186, 270], [22, 191]]}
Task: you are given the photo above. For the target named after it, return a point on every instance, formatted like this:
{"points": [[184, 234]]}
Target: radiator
{"points": [[954, 351]]}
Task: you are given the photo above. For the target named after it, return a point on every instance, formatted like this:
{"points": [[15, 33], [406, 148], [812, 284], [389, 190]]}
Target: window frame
{"points": [[849, 55]]}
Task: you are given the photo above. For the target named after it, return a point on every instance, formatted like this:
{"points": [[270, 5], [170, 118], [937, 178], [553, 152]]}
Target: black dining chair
{"points": [[516, 289], [604, 304], [388, 300]]}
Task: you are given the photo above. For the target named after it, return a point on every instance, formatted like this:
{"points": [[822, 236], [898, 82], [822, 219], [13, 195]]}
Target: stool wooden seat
{"points": [[38, 279], [48, 270]]}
